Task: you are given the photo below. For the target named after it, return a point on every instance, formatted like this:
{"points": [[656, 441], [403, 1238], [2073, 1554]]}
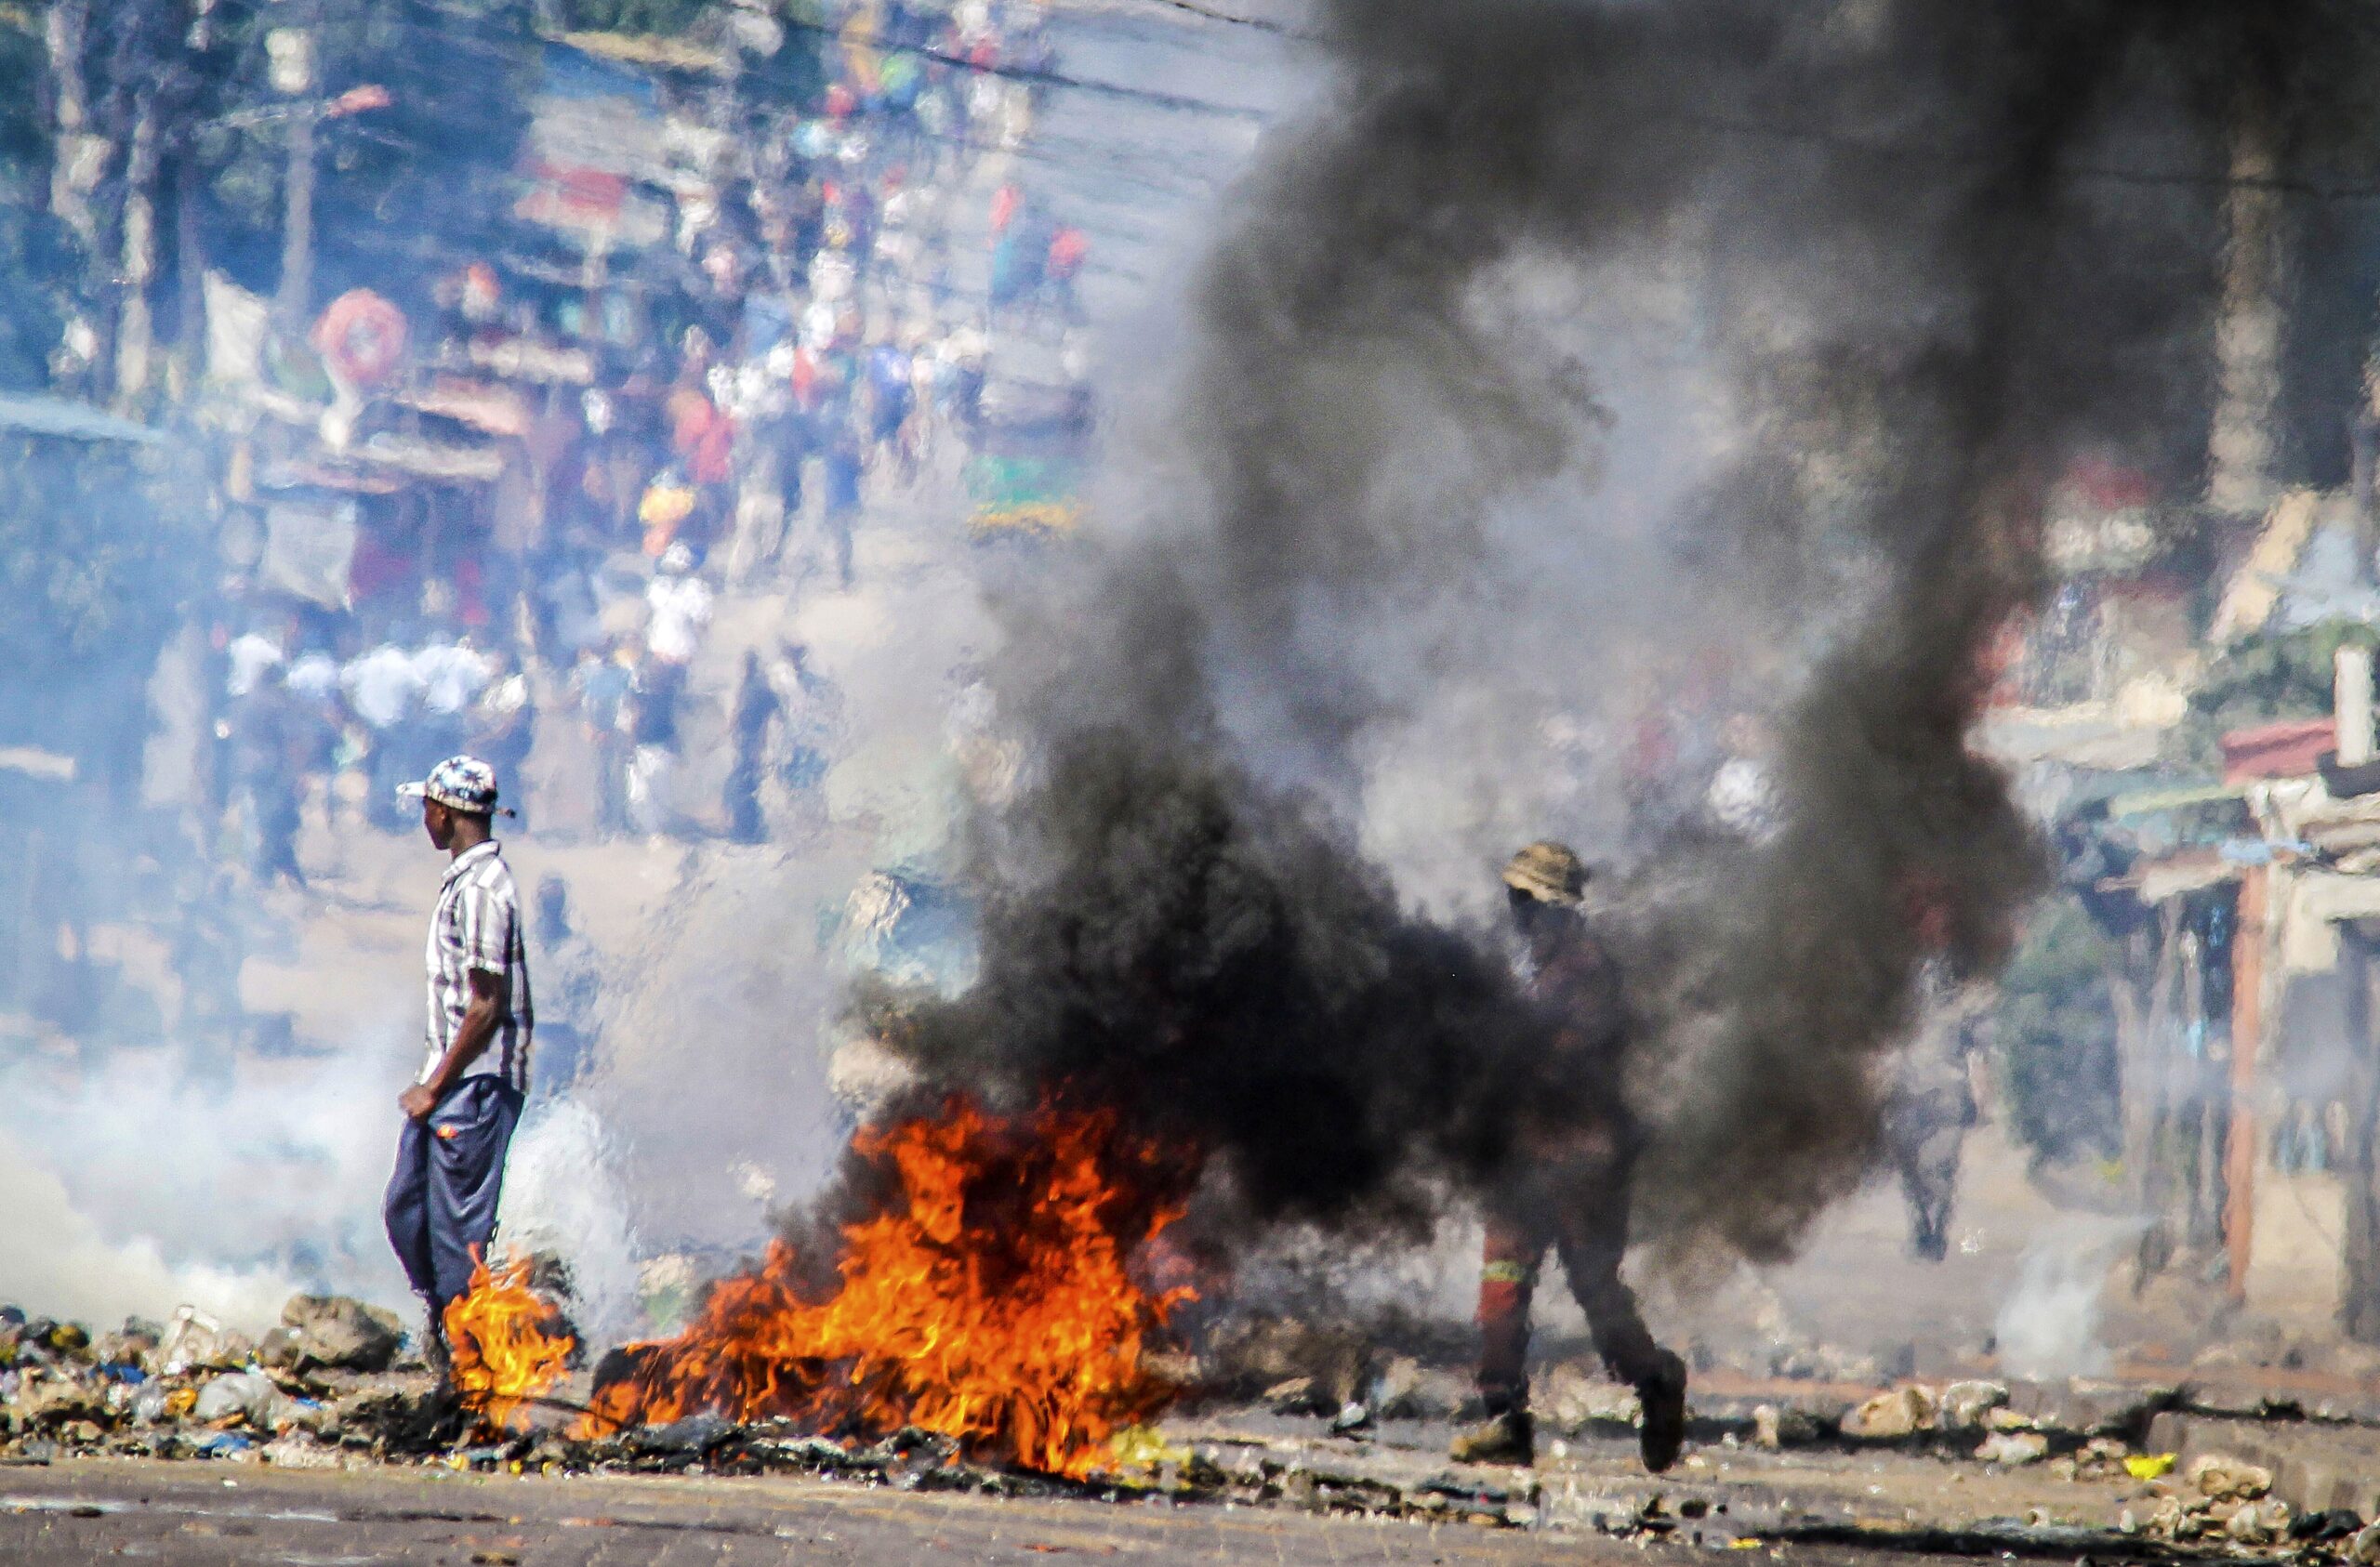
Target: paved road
{"points": [[204, 1515]]}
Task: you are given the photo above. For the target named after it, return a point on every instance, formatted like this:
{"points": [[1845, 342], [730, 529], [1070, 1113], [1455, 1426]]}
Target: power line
{"points": [[1261, 24], [1033, 76]]}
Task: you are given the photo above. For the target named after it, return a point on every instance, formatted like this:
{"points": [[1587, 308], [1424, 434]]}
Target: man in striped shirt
{"points": [[459, 1113]]}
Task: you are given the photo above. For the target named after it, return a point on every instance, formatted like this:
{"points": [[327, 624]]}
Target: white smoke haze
{"points": [[2049, 1326], [135, 1187], [562, 1198], [62, 1262], [722, 1018]]}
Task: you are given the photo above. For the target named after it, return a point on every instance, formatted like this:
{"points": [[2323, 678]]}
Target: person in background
{"points": [[266, 747], [504, 720], [811, 719], [1931, 1102], [1068, 247], [757, 706], [382, 689], [651, 713], [600, 687], [440, 1207], [452, 675], [835, 437], [968, 352], [680, 604], [889, 402], [841, 466], [313, 682]]}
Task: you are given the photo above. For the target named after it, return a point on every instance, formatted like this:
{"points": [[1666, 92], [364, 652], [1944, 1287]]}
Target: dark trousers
{"points": [[1578, 1209], [441, 1207], [742, 800], [1926, 1158]]}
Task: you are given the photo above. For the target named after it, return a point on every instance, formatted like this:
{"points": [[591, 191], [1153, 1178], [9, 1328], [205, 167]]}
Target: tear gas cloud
{"points": [[1569, 364], [145, 1186]]}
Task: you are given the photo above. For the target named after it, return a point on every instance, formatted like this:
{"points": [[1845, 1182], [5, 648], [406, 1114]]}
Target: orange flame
{"points": [[992, 1301], [504, 1342]]}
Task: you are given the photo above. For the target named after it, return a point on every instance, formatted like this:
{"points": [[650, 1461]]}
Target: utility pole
{"points": [[291, 52], [2242, 447]]}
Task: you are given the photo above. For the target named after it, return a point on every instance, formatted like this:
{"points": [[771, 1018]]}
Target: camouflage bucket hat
{"points": [[1549, 872]]}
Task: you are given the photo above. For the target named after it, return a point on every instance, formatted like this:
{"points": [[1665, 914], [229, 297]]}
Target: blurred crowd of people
{"points": [[828, 345]]}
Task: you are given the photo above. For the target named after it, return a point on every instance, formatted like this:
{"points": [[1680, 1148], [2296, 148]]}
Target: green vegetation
{"points": [[2272, 676], [2058, 1036], [671, 17]]}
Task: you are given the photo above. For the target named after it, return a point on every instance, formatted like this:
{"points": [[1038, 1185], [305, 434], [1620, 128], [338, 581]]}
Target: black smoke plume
{"points": [[1934, 250]]}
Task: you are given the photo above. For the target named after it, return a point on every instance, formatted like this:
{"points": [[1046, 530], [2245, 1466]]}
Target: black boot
{"points": [[435, 1354], [1663, 1396]]}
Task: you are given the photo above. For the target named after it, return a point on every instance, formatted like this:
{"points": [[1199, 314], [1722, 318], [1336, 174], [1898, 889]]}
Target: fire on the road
{"points": [[506, 1342], [992, 1299]]}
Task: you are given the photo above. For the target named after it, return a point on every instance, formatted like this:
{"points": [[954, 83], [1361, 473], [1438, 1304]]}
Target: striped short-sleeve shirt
{"points": [[478, 926]]}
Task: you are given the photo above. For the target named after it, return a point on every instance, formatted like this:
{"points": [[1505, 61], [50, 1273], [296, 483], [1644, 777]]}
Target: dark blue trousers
{"points": [[441, 1205]]}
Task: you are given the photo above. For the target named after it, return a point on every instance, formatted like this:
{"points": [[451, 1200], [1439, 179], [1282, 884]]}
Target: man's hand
{"points": [[417, 1101]]}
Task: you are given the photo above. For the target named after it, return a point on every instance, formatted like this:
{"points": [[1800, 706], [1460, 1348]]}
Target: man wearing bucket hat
{"points": [[460, 1112], [1567, 1190]]}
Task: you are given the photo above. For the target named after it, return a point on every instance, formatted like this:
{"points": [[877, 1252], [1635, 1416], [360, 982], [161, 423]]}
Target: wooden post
{"points": [[297, 222], [2247, 1039], [190, 274], [2200, 1153], [134, 332], [2147, 1075]]}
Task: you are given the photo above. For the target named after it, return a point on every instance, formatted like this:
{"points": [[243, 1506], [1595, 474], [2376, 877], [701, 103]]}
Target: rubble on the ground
{"points": [[333, 1333], [1281, 1360], [326, 1389]]}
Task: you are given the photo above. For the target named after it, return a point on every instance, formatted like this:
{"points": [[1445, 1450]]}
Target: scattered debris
{"points": [[194, 1341], [1892, 1417], [1965, 1406], [333, 1332], [1261, 1356], [2013, 1447], [327, 1390], [2226, 1479]]}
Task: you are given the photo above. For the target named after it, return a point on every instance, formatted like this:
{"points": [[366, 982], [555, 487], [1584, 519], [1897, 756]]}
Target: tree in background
{"points": [[2057, 1037], [40, 270], [101, 545], [668, 16], [402, 192], [2277, 673]]}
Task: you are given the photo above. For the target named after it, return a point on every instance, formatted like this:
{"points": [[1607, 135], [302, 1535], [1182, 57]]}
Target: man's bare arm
{"points": [[479, 1025]]}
